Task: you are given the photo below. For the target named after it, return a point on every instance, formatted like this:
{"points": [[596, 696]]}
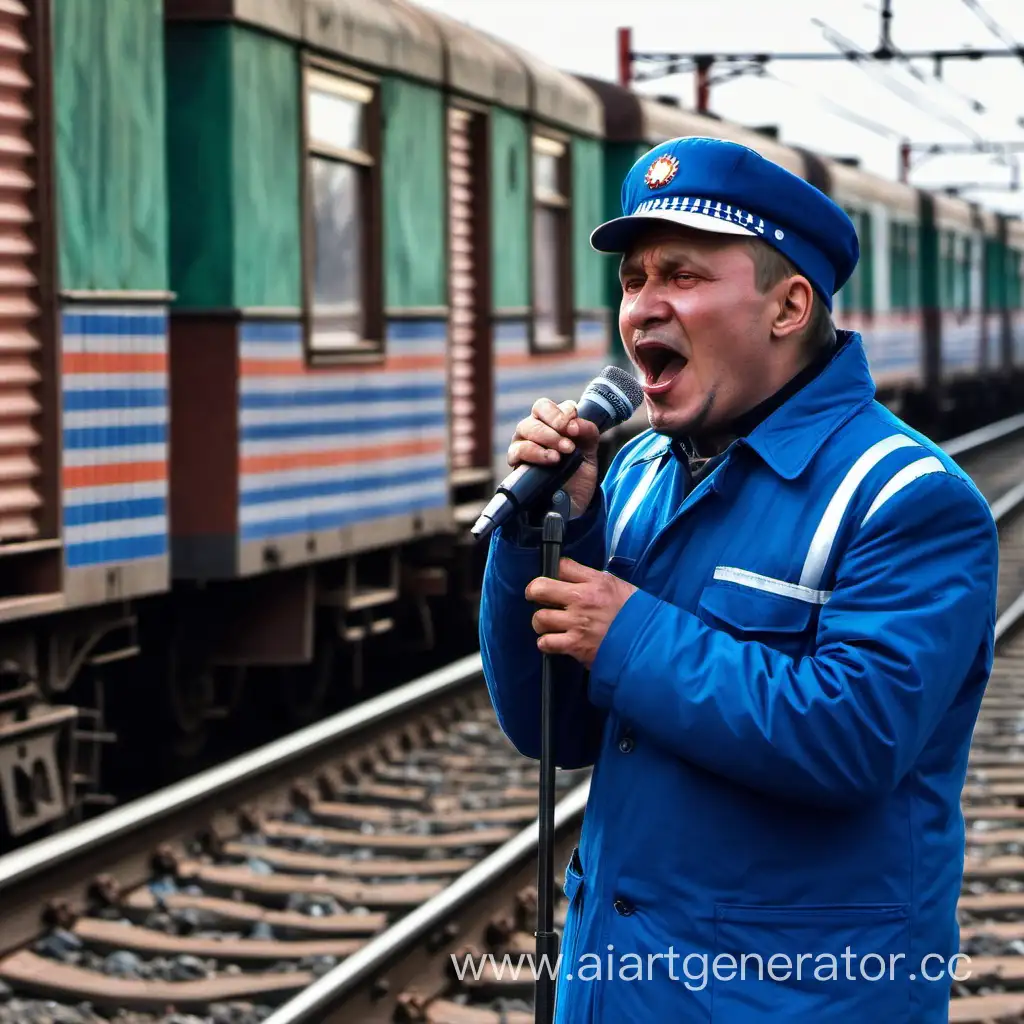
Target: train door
{"points": [[470, 362]]}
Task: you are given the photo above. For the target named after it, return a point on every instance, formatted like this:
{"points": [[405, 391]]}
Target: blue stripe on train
{"points": [[327, 428], [338, 396], [894, 360], [578, 377], [271, 332], [78, 322], [399, 330], [123, 549], [112, 511], [113, 398], [114, 437], [256, 495], [416, 330], [511, 331], [343, 517]]}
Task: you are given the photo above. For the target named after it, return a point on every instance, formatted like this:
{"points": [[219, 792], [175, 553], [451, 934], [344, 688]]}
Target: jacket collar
{"points": [[789, 437]]}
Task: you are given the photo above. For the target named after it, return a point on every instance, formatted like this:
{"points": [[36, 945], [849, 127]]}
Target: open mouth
{"points": [[660, 363]]}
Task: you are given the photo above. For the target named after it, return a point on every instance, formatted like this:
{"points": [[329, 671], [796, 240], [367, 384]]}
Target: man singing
{"points": [[777, 619]]}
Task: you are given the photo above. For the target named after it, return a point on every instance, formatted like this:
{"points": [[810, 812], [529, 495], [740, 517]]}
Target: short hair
{"points": [[771, 267]]}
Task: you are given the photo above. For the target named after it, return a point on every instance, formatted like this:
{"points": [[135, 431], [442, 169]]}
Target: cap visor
{"points": [[619, 234]]}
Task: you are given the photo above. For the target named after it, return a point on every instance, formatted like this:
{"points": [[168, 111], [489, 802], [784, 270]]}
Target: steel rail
{"points": [[339, 981], [975, 441], [1003, 508], [73, 842], [1009, 619]]}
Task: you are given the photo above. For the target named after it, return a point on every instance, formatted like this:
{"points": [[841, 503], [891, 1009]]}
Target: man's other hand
{"points": [[578, 609]]}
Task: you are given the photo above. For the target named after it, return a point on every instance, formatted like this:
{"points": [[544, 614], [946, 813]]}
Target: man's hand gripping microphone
{"points": [[611, 398]]}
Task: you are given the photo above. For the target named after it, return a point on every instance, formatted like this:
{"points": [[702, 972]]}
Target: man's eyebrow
{"points": [[628, 265], [665, 264]]}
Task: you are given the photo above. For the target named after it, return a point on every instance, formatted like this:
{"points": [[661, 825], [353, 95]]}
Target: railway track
{"points": [[330, 875], [224, 895]]}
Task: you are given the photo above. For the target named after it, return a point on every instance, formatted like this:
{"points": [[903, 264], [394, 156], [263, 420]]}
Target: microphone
{"points": [[610, 399]]}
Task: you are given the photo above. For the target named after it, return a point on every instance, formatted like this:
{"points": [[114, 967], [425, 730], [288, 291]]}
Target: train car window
{"points": [[899, 267], [1014, 292], [940, 247], [866, 231], [948, 264], [967, 274], [913, 268], [859, 291], [895, 268], [340, 181], [993, 275], [552, 241]]}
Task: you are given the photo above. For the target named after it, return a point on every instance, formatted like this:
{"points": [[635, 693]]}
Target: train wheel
{"points": [[191, 697], [306, 690]]}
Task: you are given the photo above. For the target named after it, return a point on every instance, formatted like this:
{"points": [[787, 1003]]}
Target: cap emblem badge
{"points": [[661, 172]]}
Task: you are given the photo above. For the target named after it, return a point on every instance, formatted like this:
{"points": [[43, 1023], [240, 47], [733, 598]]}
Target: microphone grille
{"points": [[620, 389]]}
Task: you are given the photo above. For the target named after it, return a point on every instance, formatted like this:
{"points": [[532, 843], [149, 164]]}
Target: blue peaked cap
{"points": [[718, 186]]}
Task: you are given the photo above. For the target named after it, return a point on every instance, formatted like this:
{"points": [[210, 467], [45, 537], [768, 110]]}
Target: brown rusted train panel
{"points": [[204, 442]]}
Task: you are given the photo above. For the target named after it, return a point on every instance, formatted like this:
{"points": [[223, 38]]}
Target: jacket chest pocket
{"points": [[757, 608]]}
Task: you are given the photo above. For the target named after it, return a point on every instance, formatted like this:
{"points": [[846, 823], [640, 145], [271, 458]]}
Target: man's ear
{"points": [[796, 304]]}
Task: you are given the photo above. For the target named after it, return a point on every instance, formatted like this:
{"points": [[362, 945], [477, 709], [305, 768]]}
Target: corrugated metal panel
{"points": [[20, 470], [464, 394]]}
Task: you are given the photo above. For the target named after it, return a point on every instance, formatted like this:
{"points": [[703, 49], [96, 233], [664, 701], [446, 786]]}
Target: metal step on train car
{"points": [[277, 279]]}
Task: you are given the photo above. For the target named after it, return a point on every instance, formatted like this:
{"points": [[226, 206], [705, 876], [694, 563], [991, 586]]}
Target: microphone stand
{"points": [[547, 939]]}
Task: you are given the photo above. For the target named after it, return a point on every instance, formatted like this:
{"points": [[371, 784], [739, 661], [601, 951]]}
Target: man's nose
{"points": [[648, 306]]}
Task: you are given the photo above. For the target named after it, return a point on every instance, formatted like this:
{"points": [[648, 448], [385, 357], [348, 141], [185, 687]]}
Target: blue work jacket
{"points": [[778, 718]]}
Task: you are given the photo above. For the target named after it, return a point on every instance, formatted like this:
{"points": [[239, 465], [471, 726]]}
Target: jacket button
{"points": [[623, 907], [626, 744]]}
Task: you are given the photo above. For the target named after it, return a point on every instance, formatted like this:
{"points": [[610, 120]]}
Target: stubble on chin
{"points": [[664, 422]]}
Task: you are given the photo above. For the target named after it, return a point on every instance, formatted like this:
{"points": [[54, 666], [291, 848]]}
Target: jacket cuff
{"points": [[610, 661]]}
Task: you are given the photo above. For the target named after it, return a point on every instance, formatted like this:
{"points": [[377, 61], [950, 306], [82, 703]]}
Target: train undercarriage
{"points": [[103, 704]]}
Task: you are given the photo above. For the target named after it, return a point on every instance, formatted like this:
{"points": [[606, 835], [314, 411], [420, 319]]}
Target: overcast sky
{"points": [[580, 36]]}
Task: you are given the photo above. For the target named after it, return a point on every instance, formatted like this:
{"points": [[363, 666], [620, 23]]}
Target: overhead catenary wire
{"points": [[868, 124], [875, 127], [897, 88], [993, 26], [925, 95]]}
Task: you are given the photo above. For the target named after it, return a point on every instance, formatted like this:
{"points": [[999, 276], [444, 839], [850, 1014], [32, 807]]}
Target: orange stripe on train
{"points": [[114, 362], [113, 473], [336, 457]]}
